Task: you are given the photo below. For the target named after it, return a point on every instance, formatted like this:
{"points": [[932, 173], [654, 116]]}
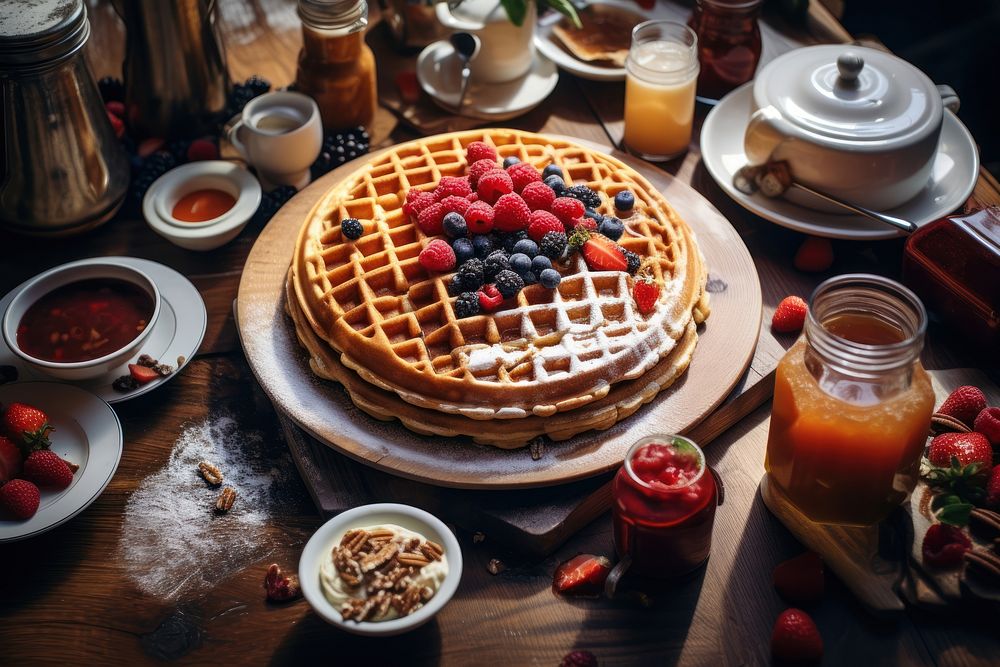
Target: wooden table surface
{"points": [[68, 596]]}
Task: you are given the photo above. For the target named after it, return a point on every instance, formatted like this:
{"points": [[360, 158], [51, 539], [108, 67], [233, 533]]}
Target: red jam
{"points": [[664, 507], [84, 320], [202, 205], [729, 44]]}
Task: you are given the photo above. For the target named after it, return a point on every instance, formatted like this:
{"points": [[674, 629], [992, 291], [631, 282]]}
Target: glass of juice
{"points": [[852, 403], [661, 72], [664, 507]]}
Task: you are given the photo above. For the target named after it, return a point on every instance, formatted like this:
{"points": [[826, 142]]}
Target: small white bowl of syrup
{"points": [[202, 205]]}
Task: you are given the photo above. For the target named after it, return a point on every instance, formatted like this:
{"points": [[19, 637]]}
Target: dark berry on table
{"points": [[509, 283], [454, 225], [520, 263], [463, 249], [111, 89], [553, 245], [352, 228], [471, 274], [557, 184], [272, 201], [624, 200], [589, 198], [634, 261], [611, 227], [494, 263], [258, 85], [539, 263], [152, 168], [467, 304], [510, 239], [483, 245], [526, 246], [549, 278], [552, 170], [510, 161]]}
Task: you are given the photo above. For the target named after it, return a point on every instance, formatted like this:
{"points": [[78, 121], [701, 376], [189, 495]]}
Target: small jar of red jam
{"points": [[664, 507], [729, 44]]}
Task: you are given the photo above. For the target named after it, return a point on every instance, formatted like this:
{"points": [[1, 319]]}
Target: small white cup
{"points": [[507, 50], [281, 135]]}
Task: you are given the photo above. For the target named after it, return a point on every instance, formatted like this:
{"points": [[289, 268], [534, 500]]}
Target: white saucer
{"points": [[439, 75], [178, 331], [955, 172], [87, 432], [547, 43]]}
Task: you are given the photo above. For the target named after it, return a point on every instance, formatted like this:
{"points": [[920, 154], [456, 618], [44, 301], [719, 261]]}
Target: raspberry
{"points": [[480, 167], [417, 201], [510, 213], [987, 422], [467, 304], [541, 223], [478, 150], [587, 223], [452, 185], [568, 210], [553, 245], [494, 184], [202, 149], [437, 256], [455, 204], [490, 298], [538, 196], [522, 174], [430, 219], [509, 283], [479, 217]]}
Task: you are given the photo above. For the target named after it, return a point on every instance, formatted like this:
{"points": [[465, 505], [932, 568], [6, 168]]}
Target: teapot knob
{"points": [[849, 64]]}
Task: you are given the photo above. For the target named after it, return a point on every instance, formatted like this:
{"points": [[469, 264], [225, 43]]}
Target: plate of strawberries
{"points": [[59, 447]]}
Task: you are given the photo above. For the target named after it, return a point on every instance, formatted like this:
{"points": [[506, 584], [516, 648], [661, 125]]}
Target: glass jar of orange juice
{"points": [[852, 403]]}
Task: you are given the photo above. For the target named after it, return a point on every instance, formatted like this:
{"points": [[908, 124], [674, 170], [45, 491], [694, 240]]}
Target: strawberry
{"points": [[115, 107], [944, 546], [602, 254], [795, 638], [47, 470], [964, 404], [581, 575], [28, 425], [987, 422], [645, 292], [815, 255], [800, 579], [19, 498], [966, 447], [117, 124], [790, 315], [437, 256], [993, 489], [142, 374], [10, 460], [490, 298]]}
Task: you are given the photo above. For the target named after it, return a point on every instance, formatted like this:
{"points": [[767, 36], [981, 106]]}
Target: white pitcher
{"points": [[507, 49]]}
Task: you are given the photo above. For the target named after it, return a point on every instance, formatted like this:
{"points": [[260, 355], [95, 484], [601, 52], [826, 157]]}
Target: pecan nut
{"points": [[210, 473], [281, 587], [942, 423], [380, 557], [226, 499]]}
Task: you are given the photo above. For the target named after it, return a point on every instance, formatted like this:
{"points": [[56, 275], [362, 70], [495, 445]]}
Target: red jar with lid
{"points": [[729, 44]]}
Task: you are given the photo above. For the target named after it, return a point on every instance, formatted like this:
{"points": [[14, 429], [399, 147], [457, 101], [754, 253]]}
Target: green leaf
{"points": [[566, 8], [516, 10], [943, 500], [955, 515]]}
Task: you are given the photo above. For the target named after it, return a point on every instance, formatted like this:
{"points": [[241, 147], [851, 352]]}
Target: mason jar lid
{"points": [[849, 93], [333, 14], [40, 32]]}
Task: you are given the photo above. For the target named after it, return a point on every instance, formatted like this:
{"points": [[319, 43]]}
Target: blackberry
{"points": [[624, 200], [152, 168], [557, 184], [258, 85], [352, 228], [510, 239], [238, 98], [549, 278], [589, 198], [471, 274], [520, 263], [552, 170], [179, 149], [634, 261], [611, 227], [553, 245], [467, 304], [455, 285], [494, 263], [482, 244], [526, 246], [272, 201], [509, 283], [510, 161], [454, 225], [463, 250], [539, 263], [340, 147], [111, 89]]}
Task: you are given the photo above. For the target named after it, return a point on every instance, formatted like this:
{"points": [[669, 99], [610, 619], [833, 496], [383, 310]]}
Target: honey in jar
{"points": [[336, 67], [852, 403]]}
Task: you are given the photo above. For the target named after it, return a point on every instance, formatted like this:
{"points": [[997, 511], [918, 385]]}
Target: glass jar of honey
{"points": [[852, 403], [729, 44], [336, 67]]}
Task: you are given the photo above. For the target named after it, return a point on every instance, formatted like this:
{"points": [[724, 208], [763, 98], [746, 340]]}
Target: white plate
{"points": [[178, 331], [87, 432], [440, 76], [549, 44], [955, 172]]}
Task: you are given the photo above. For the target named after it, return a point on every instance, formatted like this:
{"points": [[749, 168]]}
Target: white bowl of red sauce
{"points": [[77, 322], [202, 205]]}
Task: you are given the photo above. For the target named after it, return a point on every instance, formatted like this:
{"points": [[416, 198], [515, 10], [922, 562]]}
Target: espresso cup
{"points": [[280, 134]]}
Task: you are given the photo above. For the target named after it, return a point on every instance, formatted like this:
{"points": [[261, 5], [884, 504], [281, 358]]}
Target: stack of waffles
{"points": [[552, 362]]}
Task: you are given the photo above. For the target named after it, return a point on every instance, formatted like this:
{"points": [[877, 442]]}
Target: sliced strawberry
{"points": [[581, 575], [142, 374], [800, 579], [603, 254], [10, 460]]}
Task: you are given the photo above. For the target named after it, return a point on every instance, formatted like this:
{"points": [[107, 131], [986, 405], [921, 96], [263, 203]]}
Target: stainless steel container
{"points": [[62, 170]]}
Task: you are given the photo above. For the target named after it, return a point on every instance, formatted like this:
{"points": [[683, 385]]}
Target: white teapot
{"points": [[858, 123], [507, 50]]}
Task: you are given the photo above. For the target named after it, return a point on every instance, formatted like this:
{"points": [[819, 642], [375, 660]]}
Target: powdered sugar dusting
{"points": [[173, 544]]}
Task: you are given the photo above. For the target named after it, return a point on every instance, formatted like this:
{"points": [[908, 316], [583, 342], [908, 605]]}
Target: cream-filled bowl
{"points": [[315, 569]]}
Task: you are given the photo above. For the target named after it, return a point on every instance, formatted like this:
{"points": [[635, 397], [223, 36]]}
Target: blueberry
{"points": [[593, 215], [624, 200], [351, 228], [611, 227], [552, 170], [526, 246], [556, 183], [463, 249], [482, 244], [510, 161], [539, 263], [454, 225], [530, 278], [520, 263], [549, 278]]}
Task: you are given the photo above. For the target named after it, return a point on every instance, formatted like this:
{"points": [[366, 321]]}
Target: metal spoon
{"points": [[775, 178], [466, 47]]}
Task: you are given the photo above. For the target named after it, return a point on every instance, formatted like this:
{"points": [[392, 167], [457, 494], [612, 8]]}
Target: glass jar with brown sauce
{"points": [[336, 66]]}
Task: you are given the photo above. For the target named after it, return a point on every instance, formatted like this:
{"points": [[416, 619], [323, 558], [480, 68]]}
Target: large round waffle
{"points": [[394, 324]]}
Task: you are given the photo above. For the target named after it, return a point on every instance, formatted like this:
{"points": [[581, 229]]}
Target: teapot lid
{"points": [[41, 32], [853, 93]]}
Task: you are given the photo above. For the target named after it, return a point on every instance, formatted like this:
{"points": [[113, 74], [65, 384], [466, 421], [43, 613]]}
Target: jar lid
{"points": [[851, 93], [333, 14], [42, 31]]}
